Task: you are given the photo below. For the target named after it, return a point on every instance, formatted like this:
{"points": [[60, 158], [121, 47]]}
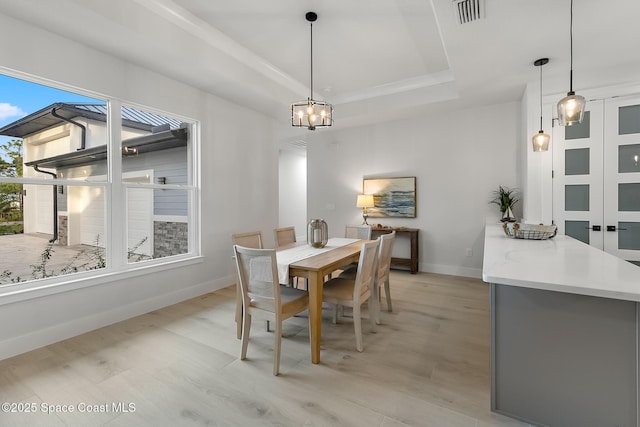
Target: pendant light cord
{"points": [[541, 97], [570, 49], [311, 50]]}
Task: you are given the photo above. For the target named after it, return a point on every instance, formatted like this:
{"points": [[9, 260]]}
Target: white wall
{"points": [[292, 192], [239, 174], [457, 161]]}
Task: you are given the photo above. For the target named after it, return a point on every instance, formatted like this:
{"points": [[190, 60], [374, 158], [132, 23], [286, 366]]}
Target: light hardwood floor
{"points": [[427, 365]]}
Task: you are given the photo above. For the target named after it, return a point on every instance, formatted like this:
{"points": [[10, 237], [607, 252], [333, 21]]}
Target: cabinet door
{"points": [[577, 177], [622, 178]]}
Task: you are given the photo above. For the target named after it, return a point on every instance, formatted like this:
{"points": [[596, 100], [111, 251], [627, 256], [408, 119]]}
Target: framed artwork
{"points": [[392, 197]]}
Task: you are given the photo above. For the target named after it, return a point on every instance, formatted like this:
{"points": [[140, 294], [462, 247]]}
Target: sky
{"points": [[19, 98]]}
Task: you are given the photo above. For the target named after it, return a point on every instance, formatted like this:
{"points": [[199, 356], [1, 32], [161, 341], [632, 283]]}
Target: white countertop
{"points": [[560, 264]]}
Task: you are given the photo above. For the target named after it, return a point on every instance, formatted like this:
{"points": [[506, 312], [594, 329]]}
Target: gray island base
{"points": [[564, 332]]}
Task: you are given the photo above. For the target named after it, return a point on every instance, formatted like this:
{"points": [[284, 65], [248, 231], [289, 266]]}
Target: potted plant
{"points": [[506, 199]]}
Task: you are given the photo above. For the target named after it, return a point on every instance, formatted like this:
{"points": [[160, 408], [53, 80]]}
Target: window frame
{"points": [[115, 191]]}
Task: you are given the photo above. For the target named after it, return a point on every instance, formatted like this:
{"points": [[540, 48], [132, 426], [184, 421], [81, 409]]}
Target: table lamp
{"points": [[365, 201]]}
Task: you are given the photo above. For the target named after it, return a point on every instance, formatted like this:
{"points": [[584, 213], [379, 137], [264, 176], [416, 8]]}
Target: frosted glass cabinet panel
{"points": [[579, 130], [576, 161], [578, 230], [629, 197], [629, 158], [576, 197], [629, 236], [629, 120]]}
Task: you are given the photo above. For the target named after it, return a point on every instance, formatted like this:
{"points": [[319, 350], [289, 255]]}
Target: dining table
{"points": [[314, 266]]}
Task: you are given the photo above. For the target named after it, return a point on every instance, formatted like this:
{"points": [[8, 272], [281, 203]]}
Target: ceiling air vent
{"points": [[468, 10]]}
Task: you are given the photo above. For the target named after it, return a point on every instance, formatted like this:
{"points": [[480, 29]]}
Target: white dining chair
{"points": [[358, 232], [284, 236], [263, 296], [353, 292], [362, 232], [251, 239], [384, 266]]}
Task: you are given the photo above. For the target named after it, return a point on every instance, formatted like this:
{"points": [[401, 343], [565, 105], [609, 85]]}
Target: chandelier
{"points": [[311, 113]]}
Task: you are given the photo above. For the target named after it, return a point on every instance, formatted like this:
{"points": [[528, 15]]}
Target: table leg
{"points": [[315, 315]]}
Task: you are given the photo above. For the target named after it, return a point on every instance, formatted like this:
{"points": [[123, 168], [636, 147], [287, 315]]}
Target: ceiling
{"points": [[375, 60]]}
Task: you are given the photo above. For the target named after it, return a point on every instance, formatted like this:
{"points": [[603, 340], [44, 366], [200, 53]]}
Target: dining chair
{"points": [[353, 292], [284, 236], [384, 266], [263, 296], [362, 232], [251, 239], [358, 232]]}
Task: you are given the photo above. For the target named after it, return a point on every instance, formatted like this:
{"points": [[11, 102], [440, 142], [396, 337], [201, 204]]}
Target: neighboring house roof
{"points": [[46, 118], [164, 132], [163, 140]]}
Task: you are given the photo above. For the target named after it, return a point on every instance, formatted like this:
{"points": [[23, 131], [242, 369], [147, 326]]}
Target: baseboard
{"points": [[61, 331], [452, 270]]}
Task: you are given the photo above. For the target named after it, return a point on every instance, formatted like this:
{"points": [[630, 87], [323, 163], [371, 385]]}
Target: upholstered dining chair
{"points": [[263, 296], [358, 232], [384, 265], [284, 236], [251, 239], [353, 292]]}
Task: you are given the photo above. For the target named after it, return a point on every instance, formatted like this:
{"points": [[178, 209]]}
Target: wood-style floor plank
{"points": [[426, 365]]}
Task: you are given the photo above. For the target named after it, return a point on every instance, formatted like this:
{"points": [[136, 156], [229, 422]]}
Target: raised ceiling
{"points": [[374, 60]]}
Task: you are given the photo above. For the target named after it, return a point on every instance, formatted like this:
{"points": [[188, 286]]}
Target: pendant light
{"points": [[571, 107], [541, 139], [311, 113]]}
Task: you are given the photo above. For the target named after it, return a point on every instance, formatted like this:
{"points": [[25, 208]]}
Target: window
{"points": [[70, 169]]}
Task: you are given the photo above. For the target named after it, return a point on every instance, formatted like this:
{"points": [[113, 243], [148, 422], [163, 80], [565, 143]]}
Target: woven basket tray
{"points": [[529, 231]]}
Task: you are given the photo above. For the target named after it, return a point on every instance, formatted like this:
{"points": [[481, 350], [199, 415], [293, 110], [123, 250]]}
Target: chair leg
{"points": [[246, 329], [387, 292], [374, 313], [357, 326], [276, 348], [335, 314], [374, 309], [239, 317], [267, 326]]}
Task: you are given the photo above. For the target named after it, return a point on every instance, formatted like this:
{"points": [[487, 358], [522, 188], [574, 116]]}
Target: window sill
{"points": [[29, 290]]}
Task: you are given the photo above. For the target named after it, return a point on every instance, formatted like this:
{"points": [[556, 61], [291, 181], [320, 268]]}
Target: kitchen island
{"points": [[564, 331]]}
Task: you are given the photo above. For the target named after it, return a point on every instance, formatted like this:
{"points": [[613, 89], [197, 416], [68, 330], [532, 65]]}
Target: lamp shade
{"points": [[571, 109], [365, 201], [540, 141]]}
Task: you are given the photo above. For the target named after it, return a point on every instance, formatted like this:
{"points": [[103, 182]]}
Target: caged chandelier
{"points": [[311, 113]]}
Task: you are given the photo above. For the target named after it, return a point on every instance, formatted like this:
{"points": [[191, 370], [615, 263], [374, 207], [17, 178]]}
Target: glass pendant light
{"points": [[571, 107], [541, 139]]}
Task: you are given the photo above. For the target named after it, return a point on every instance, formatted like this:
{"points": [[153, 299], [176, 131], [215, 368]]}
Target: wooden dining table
{"points": [[314, 269]]}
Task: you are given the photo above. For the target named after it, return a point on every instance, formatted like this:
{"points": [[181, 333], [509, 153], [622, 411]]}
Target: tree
{"points": [[11, 166]]}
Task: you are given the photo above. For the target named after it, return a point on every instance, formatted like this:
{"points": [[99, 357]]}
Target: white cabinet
{"points": [[596, 183]]}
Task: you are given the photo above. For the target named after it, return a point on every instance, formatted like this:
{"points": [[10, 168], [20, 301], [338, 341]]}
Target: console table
{"points": [[412, 262]]}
